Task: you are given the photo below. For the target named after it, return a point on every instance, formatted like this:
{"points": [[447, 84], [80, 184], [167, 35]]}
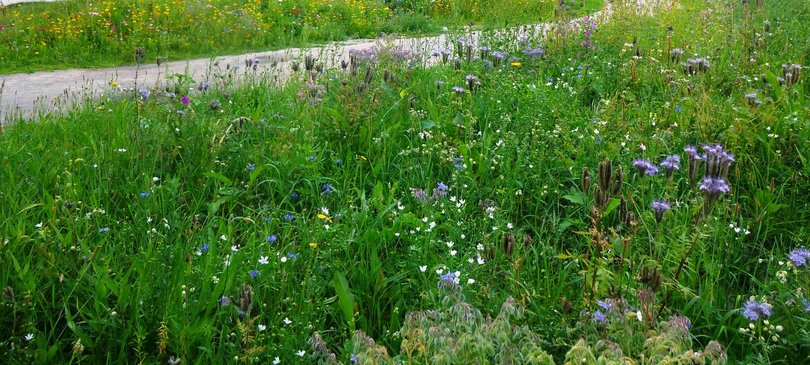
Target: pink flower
{"points": [[2, 27], [185, 100]]}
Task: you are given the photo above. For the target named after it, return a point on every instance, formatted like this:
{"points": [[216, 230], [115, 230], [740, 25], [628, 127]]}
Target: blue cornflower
{"points": [[339, 162], [289, 217], [354, 358], [441, 186], [254, 273], [251, 167], [103, 230], [224, 301], [144, 195], [678, 109], [311, 158], [294, 195], [272, 238], [204, 247], [292, 255], [327, 188]]}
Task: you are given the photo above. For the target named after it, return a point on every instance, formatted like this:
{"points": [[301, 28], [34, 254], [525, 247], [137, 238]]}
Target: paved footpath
{"points": [[31, 95]]}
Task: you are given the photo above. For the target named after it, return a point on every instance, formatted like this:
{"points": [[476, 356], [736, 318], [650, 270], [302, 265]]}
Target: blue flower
{"points": [[754, 310], [678, 109], [204, 247], [441, 186], [339, 162], [251, 167], [224, 301], [799, 256], [327, 188], [599, 317], [289, 217], [354, 358], [144, 195], [294, 195], [254, 273], [311, 158], [272, 238], [103, 230]]}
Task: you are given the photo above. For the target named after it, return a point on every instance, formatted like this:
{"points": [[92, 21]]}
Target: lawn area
{"points": [[629, 192], [79, 33]]}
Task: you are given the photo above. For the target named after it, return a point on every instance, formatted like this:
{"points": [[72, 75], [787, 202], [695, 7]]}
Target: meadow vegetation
{"points": [[633, 192], [79, 33]]}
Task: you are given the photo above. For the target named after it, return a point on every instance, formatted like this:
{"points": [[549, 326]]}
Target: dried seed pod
{"points": [[605, 171], [508, 244], [618, 182], [527, 240], [585, 182], [651, 276], [246, 299]]}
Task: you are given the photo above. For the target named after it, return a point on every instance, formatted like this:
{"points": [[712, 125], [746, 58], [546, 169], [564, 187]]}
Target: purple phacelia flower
{"points": [[599, 317], [458, 90], [714, 186], [224, 301], [671, 163], [645, 167], [799, 256], [754, 310], [660, 207]]}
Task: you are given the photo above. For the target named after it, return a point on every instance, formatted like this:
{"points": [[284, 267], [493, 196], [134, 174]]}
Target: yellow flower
{"points": [[325, 217], [515, 64], [313, 245]]}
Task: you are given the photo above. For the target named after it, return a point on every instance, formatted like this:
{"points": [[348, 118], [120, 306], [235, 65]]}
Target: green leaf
{"points": [[345, 298], [219, 177], [611, 206], [576, 198]]}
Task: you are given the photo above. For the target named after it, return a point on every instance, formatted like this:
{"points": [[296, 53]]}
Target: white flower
{"points": [[276, 361], [325, 210], [479, 247], [470, 281], [287, 321], [223, 238], [423, 268], [450, 244], [262, 328], [29, 337], [155, 179], [301, 353], [283, 259], [639, 316], [264, 260], [215, 279], [39, 225], [453, 252], [509, 225], [439, 271]]}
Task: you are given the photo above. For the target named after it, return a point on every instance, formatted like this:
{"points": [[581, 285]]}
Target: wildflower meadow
{"points": [[625, 189]]}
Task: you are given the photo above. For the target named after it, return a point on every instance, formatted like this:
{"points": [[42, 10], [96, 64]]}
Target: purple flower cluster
{"points": [[646, 167], [671, 164], [448, 281], [660, 207], [754, 310], [799, 256]]}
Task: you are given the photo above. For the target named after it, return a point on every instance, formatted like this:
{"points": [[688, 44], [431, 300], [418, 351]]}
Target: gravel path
{"points": [[32, 95]]}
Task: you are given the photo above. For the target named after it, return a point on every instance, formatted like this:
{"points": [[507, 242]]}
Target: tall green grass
{"points": [[128, 223]]}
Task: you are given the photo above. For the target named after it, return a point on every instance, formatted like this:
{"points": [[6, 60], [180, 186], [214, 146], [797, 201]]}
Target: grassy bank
{"points": [[233, 225], [75, 33]]}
